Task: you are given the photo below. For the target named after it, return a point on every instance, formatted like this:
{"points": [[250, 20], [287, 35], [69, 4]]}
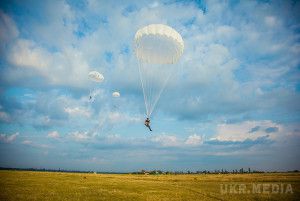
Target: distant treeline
{"points": [[151, 172], [222, 171], [59, 170]]}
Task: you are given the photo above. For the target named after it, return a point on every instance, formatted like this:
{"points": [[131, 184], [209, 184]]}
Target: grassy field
{"points": [[23, 185]]}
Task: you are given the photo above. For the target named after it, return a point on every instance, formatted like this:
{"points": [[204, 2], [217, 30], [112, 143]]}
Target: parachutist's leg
{"points": [[147, 125]]}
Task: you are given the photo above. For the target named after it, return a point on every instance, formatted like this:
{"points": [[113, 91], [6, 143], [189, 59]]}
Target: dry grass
{"points": [[22, 185]]}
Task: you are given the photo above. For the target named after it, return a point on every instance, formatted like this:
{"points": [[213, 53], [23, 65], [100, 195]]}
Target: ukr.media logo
{"points": [[264, 188]]}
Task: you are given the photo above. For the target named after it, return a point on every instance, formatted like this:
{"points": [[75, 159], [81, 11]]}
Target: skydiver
{"points": [[147, 123]]}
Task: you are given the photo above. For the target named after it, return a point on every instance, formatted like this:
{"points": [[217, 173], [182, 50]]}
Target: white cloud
{"points": [[4, 116], [58, 18], [194, 140], [155, 4], [94, 160], [66, 67], [53, 134], [80, 136], [114, 117], [8, 138], [76, 111], [225, 32], [117, 117], [173, 141], [253, 130], [26, 53], [98, 160], [167, 140], [270, 21], [259, 91], [113, 138], [36, 145], [27, 142], [8, 28]]}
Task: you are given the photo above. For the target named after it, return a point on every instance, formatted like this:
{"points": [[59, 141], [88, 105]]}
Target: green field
{"points": [[25, 185]]}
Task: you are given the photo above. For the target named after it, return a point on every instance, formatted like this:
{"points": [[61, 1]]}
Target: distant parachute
{"points": [[116, 94], [96, 76], [157, 47]]}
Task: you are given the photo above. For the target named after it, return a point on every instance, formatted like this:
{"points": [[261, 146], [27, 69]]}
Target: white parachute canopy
{"points": [[158, 48], [96, 76], [116, 94]]}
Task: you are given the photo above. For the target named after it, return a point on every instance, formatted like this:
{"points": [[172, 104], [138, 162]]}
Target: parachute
{"points": [[116, 94], [116, 100], [96, 76], [158, 48]]}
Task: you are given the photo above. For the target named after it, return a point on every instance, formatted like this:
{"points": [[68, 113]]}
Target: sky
{"points": [[233, 103]]}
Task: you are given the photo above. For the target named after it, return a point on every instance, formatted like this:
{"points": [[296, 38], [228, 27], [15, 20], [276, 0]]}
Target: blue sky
{"points": [[233, 103]]}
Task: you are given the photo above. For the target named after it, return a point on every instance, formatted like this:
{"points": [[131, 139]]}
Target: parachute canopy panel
{"points": [[158, 44], [116, 94], [96, 76]]}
